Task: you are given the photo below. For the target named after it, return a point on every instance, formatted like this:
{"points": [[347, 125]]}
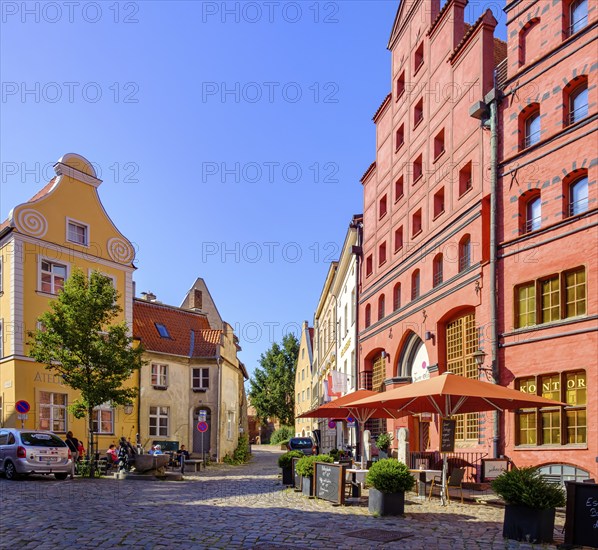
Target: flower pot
{"points": [[382, 454], [287, 476], [386, 504], [307, 486], [528, 524]]}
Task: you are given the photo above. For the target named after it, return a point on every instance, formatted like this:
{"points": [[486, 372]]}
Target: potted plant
{"points": [[388, 479], [530, 501], [285, 462], [305, 468], [383, 443]]}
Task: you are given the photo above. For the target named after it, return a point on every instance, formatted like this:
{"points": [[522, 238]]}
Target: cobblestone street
{"points": [[226, 507]]}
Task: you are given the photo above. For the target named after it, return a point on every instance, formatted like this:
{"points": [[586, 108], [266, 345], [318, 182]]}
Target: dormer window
{"points": [[162, 330]]}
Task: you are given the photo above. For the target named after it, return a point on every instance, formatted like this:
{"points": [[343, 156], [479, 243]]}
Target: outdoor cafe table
{"points": [[357, 479], [424, 477]]}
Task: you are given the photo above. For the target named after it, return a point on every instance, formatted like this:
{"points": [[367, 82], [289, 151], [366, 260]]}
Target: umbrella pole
{"points": [[443, 489]]}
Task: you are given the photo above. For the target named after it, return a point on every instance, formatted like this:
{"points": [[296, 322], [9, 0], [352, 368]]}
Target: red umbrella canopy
{"points": [[344, 406], [449, 394]]}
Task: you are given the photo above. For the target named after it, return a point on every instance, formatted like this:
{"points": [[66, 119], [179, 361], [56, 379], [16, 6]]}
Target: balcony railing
{"points": [[577, 114], [578, 207], [531, 139], [533, 224], [576, 26]]}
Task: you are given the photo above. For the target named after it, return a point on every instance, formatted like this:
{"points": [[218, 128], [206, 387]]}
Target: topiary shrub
{"points": [[527, 487], [335, 453], [305, 466], [390, 476], [282, 435], [285, 460], [383, 442]]}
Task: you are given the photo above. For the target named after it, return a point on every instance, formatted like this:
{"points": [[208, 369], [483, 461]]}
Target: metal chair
{"points": [[455, 479]]}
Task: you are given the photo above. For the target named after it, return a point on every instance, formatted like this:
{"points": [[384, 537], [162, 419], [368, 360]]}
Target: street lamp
{"points": [[479, 357]]}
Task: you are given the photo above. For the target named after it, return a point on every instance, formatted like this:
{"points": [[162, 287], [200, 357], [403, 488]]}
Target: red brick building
{"points": [[548, 239], [424, 299]]}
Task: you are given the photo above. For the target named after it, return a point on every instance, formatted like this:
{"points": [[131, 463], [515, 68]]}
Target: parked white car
{"points": [[24, 452]]}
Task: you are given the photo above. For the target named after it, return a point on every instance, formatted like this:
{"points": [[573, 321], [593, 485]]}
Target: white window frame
{"points": [[157, 413], [97, 418], [41, 260], [230, 420], [201, 378], [52, 407], [77, 223], [159, 375]]}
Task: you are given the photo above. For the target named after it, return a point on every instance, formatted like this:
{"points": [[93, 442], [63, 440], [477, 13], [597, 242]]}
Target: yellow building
{"points": [[303, 382], [61, 228]]}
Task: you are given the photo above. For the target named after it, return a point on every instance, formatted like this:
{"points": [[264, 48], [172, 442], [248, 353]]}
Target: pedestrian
{"points": [[81, 451], [73, 444]]}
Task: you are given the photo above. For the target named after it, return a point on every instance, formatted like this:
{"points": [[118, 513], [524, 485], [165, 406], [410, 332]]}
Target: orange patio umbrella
{"points": [[449, 394]]}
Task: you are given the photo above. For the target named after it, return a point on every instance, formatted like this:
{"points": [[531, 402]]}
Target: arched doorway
{"points": [[201, 441], [414, 360]]}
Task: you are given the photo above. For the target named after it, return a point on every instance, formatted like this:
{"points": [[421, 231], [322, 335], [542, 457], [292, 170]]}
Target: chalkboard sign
{"points": [[330, 482], [581, 523], [447, 440], [296, 476]]}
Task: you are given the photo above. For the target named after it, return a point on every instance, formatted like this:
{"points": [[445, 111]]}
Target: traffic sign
{"points": [[22, 407], [350, 422], [202, 426], [203, 414], [331, 424], [22, 416]]}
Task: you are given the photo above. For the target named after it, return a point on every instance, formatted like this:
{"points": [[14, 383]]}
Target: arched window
{"points": [[396, 297], [464, 253], [578, 103], [533, 214], [368, 316], [437, 269], [578, 196], [381, 307], [530, 41], [415, 284], [532, 129], [578, 16]]}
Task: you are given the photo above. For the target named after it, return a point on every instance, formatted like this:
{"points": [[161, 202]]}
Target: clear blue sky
{"points": [[231, 136]]}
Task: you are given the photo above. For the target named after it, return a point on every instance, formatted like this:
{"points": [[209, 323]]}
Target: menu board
{"points": [[581, 523], [447, 440], [330, 482]]}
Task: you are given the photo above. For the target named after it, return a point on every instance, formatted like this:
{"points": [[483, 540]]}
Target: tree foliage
{"points": [[77, 340], [272, 388]]}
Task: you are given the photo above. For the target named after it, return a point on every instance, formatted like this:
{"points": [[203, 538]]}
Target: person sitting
{"points": [[157, 450], [182, 452], [112, 455]]}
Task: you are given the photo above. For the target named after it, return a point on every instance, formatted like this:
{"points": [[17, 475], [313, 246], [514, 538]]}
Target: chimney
{"points": [[148, 296], [195, 299]]}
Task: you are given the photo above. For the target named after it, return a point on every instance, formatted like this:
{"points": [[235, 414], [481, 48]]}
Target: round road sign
{"points": [[22, 407], [331, 424], [202, 426]]}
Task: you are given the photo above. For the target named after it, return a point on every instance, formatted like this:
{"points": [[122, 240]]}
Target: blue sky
{"points": [[231, 136]]}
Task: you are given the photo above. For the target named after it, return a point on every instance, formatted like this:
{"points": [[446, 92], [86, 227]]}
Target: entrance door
{"points": [[197, 435]]}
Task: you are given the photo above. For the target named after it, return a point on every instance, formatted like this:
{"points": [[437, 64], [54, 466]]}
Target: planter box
{"points": [[386, 504], [287, 476], [528, 524], [307, 486]]}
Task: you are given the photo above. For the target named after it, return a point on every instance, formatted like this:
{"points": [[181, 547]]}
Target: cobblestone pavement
{"points": [[226, 507]]}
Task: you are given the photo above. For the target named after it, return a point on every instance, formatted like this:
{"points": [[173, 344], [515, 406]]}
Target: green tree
{"points": [[272, 388], [77, 341]]}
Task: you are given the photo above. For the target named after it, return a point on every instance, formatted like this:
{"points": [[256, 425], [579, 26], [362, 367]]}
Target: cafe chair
{"points": [[454, 480]]}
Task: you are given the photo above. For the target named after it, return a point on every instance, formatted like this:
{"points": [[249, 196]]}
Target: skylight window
{"points": [[162, 330]]}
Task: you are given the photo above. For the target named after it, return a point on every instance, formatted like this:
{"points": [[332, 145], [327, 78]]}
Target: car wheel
{"points": [[60, 476], [10, 471]]}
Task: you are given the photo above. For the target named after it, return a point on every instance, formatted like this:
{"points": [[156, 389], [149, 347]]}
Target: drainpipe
{"points": [[219, 364]]}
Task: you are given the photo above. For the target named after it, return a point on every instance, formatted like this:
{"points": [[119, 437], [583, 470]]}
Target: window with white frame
{"points": [[201, 378], [77, 233], [52, 411], [230, 420], [158, 421], [52, 276], [103, 419], [159, 375]]}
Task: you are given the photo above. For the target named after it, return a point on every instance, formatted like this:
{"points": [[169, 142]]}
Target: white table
{"points": [[424, 477], [357, 480]]}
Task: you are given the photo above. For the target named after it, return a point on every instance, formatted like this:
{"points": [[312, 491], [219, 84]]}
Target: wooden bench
{"points": [[194, 463]]}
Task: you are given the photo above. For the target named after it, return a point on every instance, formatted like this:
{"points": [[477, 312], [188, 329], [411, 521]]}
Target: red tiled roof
{"points": [[382, 105], [500, 51], [190, 333], [370, 168]]}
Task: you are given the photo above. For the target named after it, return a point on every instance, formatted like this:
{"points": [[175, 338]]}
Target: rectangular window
{"points": [[418, 113], [158, 421], [383, 208], [400, 137], [382, 254], [439, 202], [418, 168], [418, 59], [525, 303], [401, 85], [398, 239], [230, 420], [103, 419], [439, 144], [575, 293], [201, 378], [554, 426], [52, 277], [551, 307], [416, 223], [465, 179], [77, 233], [308, 392], [399, 189], [52, 411], [159, 375], [369, 265]]}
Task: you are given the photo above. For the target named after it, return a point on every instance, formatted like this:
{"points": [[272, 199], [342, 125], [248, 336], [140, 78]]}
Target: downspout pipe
{"points": [[218, 430]]}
